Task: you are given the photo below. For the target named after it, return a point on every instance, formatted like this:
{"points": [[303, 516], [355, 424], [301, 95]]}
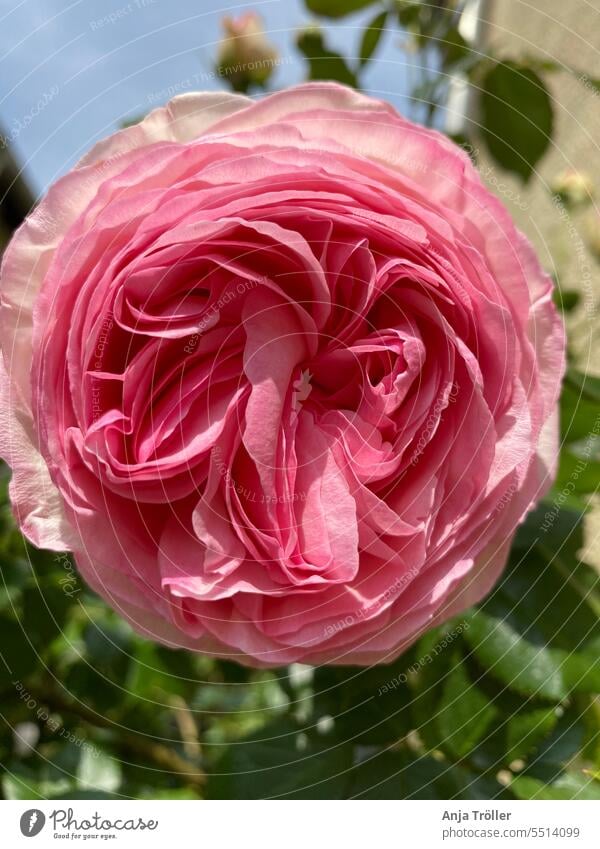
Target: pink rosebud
{"points": [[574, 188], [246, 57]]}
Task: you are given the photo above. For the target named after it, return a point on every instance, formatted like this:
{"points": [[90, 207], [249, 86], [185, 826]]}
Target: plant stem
{"points": [[158, 754]]}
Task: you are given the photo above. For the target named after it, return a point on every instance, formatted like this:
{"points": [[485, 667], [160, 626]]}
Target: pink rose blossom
{"points": [[281, 374]]}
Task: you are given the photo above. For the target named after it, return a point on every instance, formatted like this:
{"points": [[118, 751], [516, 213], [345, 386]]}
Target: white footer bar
{"points": [[300, 825]]}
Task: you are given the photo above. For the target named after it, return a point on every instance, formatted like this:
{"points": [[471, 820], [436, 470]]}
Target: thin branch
{"points": [[157, 753]]}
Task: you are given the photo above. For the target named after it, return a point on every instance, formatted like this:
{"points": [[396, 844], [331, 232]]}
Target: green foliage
{"points": [[529, 669], [371, 37], [464, 712], [324, 64], [516, 116], [337, 8], [567, 786], [566, 299]]}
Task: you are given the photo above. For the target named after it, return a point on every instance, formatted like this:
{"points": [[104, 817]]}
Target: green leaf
{"points": [[549, 600], [517, 117], [18, 658], [566, 299], [108, 648], [99, 678], [98, 771], [337, 8], [465, 783], [17, 788], [409, 14], [464, 713], [175, 793], [87, 794], [526, 730], [368, 706], [45, 608], [281, 761], [371, 37], [46, 776], [404, 775], [324, 64], [152, 677], [547, 589], [570, 785], [581, 671], [380, 777], [456, 51], [578, 411], [428, 674], [578, 475], [528, 669], [554, 753], [561, 746], [94, 688], [400, 775], [15, 573], [587, 386]]}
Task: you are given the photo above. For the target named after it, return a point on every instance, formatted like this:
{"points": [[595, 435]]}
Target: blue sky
{"points": [[90, 74]]}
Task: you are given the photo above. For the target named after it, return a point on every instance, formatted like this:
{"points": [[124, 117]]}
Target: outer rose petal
{"points": [[37, 502]]}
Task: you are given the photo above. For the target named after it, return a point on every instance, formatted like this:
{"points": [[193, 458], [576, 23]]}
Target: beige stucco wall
{"points": [[567, 32]]}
